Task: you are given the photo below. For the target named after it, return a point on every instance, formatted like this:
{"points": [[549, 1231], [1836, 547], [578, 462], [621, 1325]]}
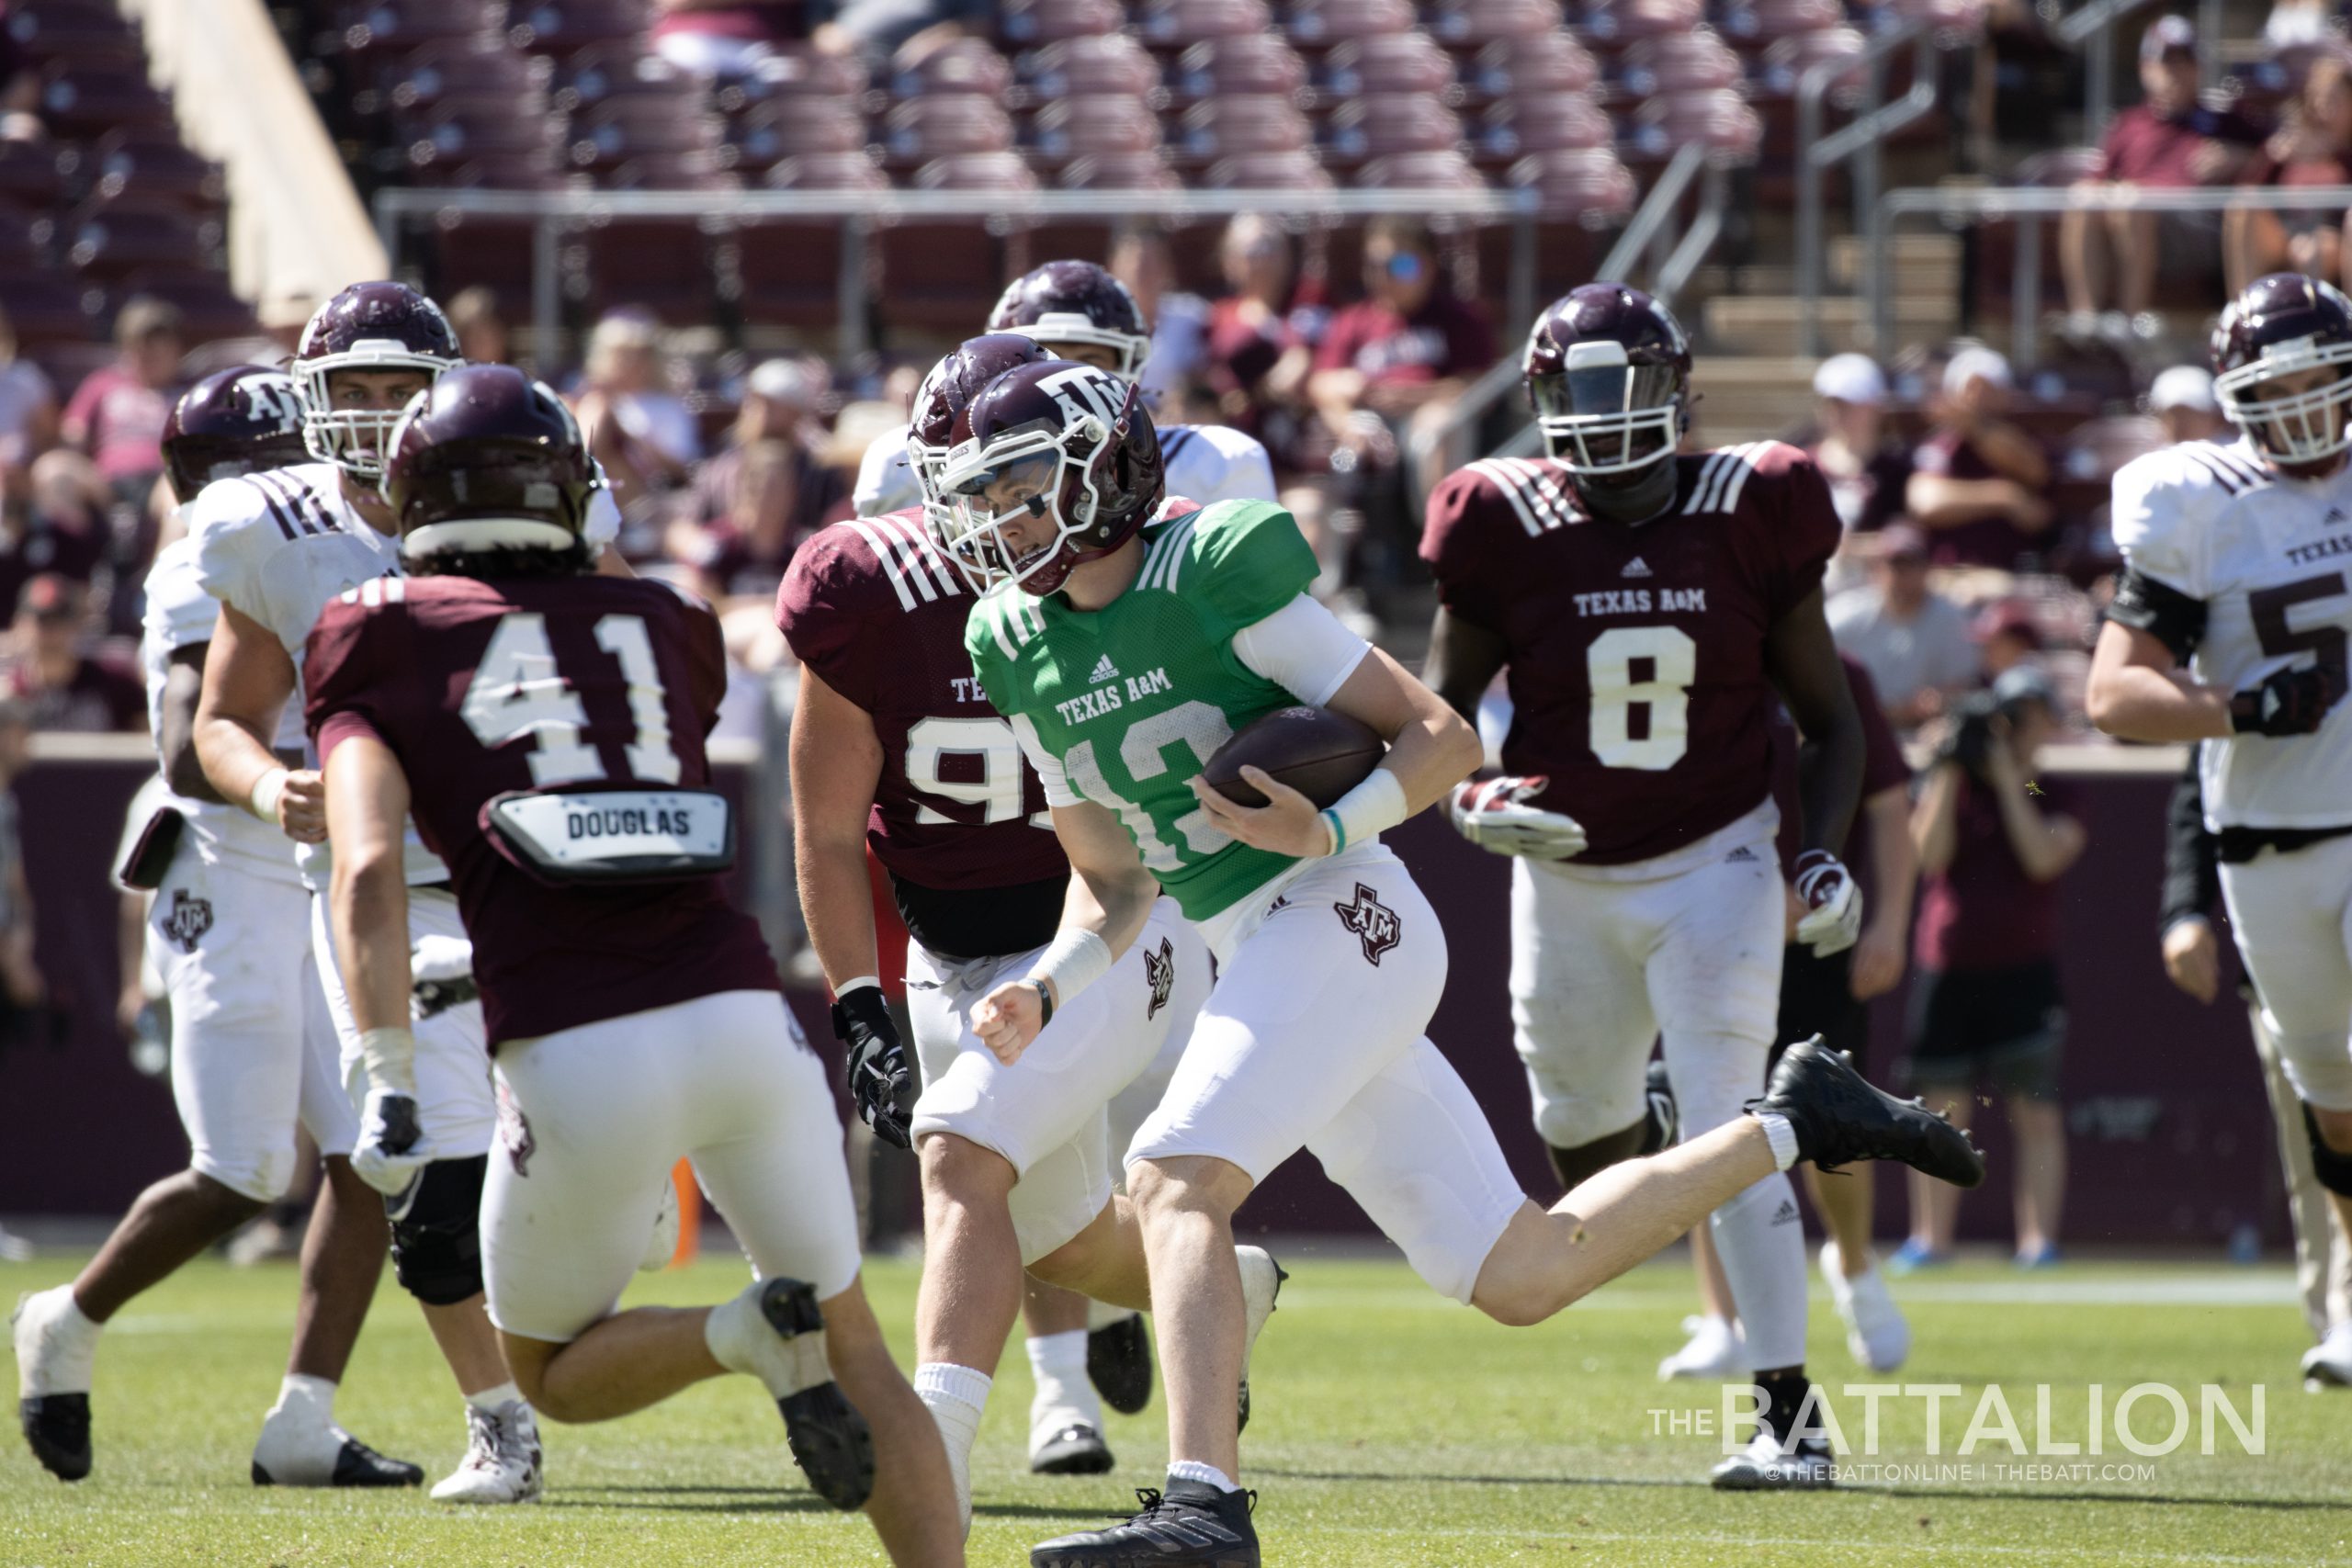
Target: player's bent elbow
{"points": [[1464, 751]]}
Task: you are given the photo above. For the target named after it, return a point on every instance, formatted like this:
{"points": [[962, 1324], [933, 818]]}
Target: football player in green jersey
{"points": [[1127, 637]]}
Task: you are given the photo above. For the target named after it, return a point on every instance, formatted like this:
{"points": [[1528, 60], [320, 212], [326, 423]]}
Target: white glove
{"points": [[393, 1146], [1493, 814], [441, 958], [1833, 918]]}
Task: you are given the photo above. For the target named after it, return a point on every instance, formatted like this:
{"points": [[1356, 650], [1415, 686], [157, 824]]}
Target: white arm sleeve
{"points": [[1049, 767], [1303, 649], [602, 524]]}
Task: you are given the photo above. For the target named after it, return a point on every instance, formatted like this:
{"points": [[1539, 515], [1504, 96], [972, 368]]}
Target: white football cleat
{"points": [[1262, 1284], [55, 1350], [663, 1244], [1762, 1467], [2328, 1364], [1876, 1333], [502, 1463], [1715, 1354]]}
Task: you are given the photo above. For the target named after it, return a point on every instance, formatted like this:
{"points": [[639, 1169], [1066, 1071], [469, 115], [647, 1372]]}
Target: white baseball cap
{"points": [[1976, 363], [784, 381], [2184, 387], [1850, 379]]}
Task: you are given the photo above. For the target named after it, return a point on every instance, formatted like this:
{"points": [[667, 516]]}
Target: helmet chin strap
{"points": [[1643, 499]]}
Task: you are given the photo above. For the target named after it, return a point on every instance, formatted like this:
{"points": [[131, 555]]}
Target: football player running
{"points": [[252, 1051], [2229, 628], [546, 724], [1129, 639], [273, 549], [1648, 606], [894, 745], [1077, 310]]}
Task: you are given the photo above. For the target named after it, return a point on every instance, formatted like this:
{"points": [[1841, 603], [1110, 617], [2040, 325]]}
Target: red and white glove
{"points": [[1494, 814], [1832, 916]]}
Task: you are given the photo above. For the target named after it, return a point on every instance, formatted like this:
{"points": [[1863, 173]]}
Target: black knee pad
{"points": [[1575, 1165], [436, 1232], [2334, 1170]]}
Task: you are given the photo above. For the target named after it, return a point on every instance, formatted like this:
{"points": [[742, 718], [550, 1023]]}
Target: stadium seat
{"points": [[827, 171], [80, 99], [962, 66], [1514, 128], [793, 71], [1369, 127], [1173, 26], [938, 276], [610, 71], [1070, 128], [1675, 63], [976, 171], [1111, 63], [148, 164], [920, 130], [620, 131], [470, 251], [83, 30], [1117, 171], [1528, 67], [387, 27], [422, 78], [567, 27], [1589, 183], [1028, 23], [1718, 119], [1298, 171], [44, 307], [785, 274], [1443, 170], [29, 174], [1222, 128], [1320, 24], [1754, 26], [795, 127], [693, 168], [460, 130], [658, 265], [1387, 63], [1258, 65], [210, 309], [25, 238], [532, 169], [1616, 25], [110, 240], [1467, 27]]}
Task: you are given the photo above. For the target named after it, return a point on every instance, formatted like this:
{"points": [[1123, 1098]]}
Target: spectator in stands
{"points": [[1261, 336], [2006, 636], [1913, 641], [116, 416], [2182, 401], [481, 331], [2312, 147], [27, 408], [1993, 842], [634, 425], [1140, 259], [1977, 482], [2291, 22], [23, 991], [1866, 468], [61, 686], [2168, 142], [54, 523], [770, 489]]}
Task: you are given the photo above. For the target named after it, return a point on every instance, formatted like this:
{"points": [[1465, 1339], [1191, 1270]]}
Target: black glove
{"points": [[2289, 702], [879, 1080]]}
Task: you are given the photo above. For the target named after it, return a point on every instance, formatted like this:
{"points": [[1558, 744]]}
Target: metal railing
{"points": [[2087, 30], [554, 213], [2028, 206], [1859, 139]]}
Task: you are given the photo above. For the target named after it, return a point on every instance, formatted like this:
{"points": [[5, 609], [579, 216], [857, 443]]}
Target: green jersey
{"points": [[1128, 702]]}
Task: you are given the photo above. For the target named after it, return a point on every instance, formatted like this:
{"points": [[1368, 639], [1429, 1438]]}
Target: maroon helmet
{"points": [[369, 326], [1057, 443], [1075, 302], [487, 459], [2283, 325], [936, 423], [243, 420], [1608, 372]]}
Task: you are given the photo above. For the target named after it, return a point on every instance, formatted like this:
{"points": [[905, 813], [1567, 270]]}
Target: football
{"points": [[1319, 753]]}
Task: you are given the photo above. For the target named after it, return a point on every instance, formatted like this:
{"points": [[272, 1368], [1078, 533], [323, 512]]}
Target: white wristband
{"points": [[1074, 959], [852, 984], [1370, 808], [389, 1056], [262, 801]]}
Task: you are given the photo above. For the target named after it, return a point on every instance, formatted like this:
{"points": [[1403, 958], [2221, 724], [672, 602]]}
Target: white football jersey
{"points": [[1204, 463], [2269, 557], [180, 613]]}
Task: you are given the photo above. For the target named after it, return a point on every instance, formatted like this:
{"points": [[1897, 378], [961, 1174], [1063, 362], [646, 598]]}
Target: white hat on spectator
{"points": [[784, 381], [1976, 365], [2184, 387], [2168, 35], [1850, 379]]}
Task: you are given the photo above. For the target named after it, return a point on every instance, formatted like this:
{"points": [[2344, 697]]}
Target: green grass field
{"points": [[1392, 1428]]}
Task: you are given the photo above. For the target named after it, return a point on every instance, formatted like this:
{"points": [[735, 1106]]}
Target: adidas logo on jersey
{"points": [[1103, 670], [1637, 567], [1740, 856]]}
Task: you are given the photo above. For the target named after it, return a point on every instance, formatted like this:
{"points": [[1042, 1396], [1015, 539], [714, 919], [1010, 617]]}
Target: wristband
{"points": [[1074, 959], [1045, 1003], [1368, 810], [389, 1056], [855, 982], [263, 800]]}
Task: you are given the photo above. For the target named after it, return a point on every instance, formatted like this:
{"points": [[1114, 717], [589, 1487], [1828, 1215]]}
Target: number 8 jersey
{"points": [[1635, 652], [2242, 572]]}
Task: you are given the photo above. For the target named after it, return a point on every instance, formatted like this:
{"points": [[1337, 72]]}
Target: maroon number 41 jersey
{"points": [[1636, 652], [576, 683]]}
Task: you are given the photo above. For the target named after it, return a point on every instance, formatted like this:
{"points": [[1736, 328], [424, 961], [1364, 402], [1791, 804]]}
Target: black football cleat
{"points": [[1077, 1449], [356, 1464], [57, 1427], [1841, 1118], [1191, 1525], [829, 1439], [1118, 1364]]}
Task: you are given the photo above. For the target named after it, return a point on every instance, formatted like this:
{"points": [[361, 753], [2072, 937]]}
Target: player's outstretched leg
{"points": [[776, 1331]]}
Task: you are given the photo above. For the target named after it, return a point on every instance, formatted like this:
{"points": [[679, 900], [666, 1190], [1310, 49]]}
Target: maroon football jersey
{"points": [[1636, 653], [576, 683], [877, 612]]}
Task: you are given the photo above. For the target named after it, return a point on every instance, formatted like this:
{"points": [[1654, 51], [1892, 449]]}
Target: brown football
{"points": [[1319, 753]]}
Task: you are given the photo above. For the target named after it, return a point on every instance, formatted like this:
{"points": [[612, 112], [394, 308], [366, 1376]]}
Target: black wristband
{"points": [[1045, 1003]]}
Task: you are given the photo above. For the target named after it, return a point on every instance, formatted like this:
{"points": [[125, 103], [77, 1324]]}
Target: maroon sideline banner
{"points": [[2169, 1138]]}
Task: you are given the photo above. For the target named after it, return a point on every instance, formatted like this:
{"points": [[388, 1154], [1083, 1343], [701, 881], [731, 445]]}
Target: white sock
{"points": [[955, 1396], [1761, 1242], [1102, 1314], [1783, 1135], [308, 1398], [491, 1398], [1058, 1363], [1193, 1470]]}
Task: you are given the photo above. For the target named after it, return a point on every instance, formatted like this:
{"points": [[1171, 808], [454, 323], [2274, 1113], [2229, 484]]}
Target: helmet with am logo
{"points": [[936, 422], [242, 420], [1067, 304], [1064, 456]]}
